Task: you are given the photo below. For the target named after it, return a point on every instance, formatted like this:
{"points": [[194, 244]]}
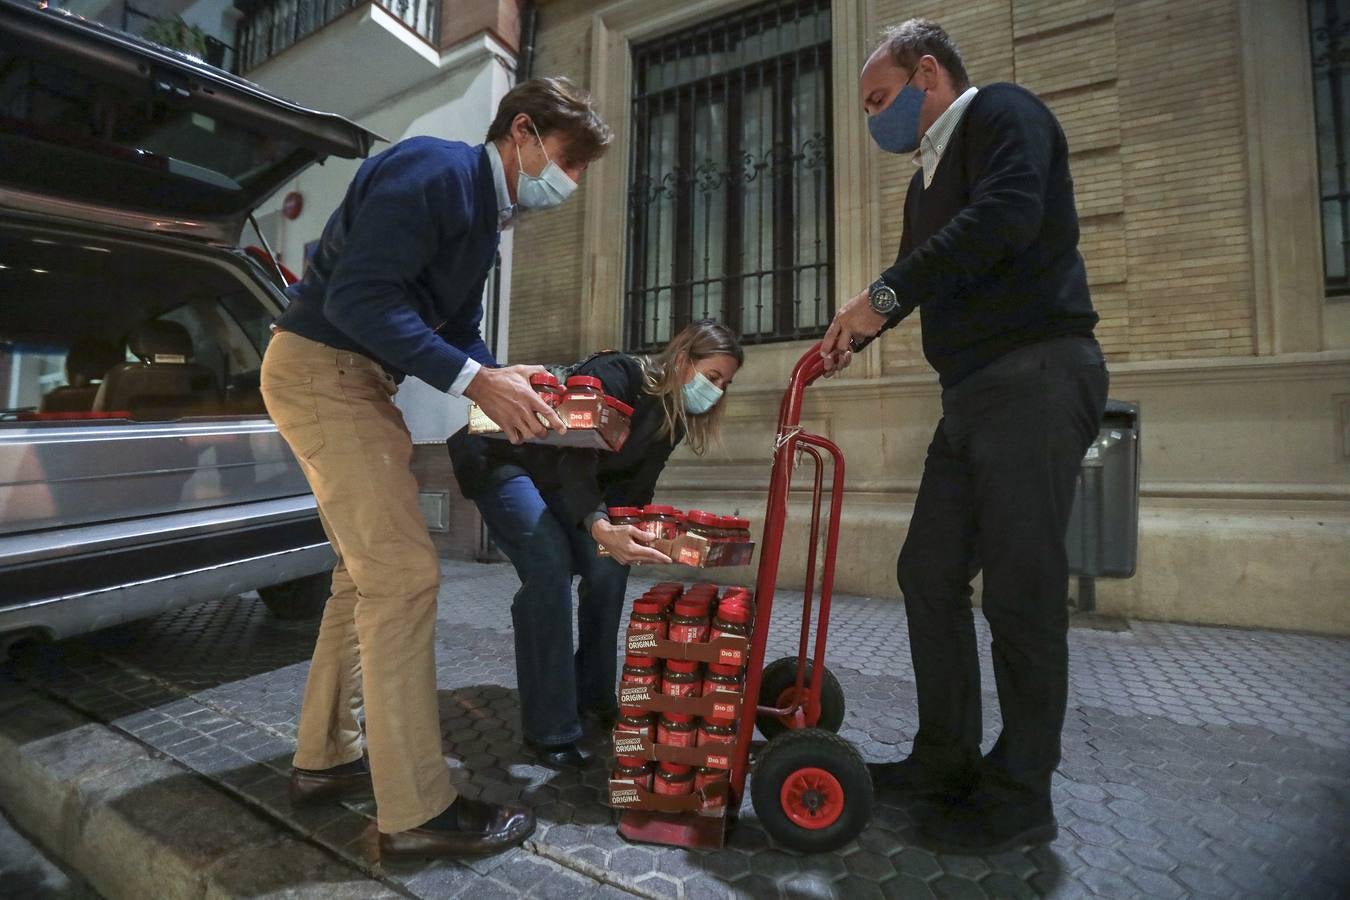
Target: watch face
{"points": [[883, 299]]}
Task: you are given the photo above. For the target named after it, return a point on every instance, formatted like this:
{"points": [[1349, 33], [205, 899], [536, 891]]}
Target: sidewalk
{"points": [[1197, 761]]}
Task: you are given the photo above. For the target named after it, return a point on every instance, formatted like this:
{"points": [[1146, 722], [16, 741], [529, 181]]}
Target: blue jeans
{"points": [[555, 683]]}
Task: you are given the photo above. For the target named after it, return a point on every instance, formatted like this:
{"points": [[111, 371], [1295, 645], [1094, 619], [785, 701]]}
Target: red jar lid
{"points": [[699, 517], [740, 522], [625, 511], [690, 606], [589, 381], [720, 669], [631, 762], [617, 404], [705, 586], [647, 606], [669, 586], [677, 717], [733, 612], [657, 510], [681, 665], [543, 379], [675, 768], [633, 712], [640, 662]]}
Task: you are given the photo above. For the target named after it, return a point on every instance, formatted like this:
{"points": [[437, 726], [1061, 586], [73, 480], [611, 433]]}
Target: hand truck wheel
{"points": [[778, 688], [811, 790]]}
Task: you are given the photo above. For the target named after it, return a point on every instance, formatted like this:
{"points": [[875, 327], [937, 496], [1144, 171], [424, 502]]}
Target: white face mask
{"points": [[545, 190]]}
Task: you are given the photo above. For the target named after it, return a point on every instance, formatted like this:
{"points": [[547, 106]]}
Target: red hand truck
{"points": [[811, 790]]}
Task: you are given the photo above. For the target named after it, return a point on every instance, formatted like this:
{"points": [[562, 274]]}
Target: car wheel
{"points": [[298, 600]]}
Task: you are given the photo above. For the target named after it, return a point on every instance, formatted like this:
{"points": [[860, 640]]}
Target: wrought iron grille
{"points": [[1330, 21], [271, 26], [732, 177]]}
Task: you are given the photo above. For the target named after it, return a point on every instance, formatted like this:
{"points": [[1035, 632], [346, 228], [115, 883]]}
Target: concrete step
{"points": [[136, 824]]}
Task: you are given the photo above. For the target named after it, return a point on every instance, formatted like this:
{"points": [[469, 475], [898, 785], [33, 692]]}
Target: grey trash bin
{"points": [[1103, 536]]}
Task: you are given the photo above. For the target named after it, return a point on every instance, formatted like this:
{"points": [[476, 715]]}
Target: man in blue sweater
{"points": [[396, 289], [989, 256]]}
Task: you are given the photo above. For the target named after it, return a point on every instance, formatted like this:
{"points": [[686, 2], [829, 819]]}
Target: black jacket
{"points": [[989, 252], [587, 480]]}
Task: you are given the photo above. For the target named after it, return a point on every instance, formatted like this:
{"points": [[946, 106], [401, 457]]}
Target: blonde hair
{"points": [[663, 377]]}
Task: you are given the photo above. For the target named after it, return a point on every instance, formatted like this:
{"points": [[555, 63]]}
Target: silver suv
{"points": [[138, 469]]}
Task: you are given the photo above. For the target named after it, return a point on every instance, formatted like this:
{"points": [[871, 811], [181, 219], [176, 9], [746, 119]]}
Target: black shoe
{"points": [[984, 827], [559, 756], [910, 779], [467, 828]]}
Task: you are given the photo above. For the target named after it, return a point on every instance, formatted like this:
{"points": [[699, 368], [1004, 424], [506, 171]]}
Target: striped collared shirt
{"points": [[940, 134]]}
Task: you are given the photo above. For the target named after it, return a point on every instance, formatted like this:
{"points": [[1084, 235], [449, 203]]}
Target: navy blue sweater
{"points": [[989, 251], [400, 268]]}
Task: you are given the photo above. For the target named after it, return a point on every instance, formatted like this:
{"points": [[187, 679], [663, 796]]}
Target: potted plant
{"points": [[178, 35]]}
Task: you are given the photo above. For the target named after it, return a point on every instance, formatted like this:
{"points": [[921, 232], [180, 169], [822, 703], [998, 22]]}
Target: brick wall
{"points": [[1154, 119], [546, 270]]}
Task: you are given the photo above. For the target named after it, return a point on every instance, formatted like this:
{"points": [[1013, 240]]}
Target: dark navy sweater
{"points": [[989, 251], [400, 268]]}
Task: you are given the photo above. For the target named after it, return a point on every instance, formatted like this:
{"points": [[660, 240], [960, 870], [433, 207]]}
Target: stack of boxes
{"points": [[681, 699]]}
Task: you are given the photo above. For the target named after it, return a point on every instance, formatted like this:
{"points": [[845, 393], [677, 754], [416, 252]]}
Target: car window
{"points": [[27, 372]]}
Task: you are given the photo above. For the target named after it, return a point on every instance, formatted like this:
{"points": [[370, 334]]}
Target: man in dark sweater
{"points": [[396, 288], [989, 257]]}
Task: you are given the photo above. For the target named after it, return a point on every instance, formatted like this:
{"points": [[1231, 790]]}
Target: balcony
{"points": [[338, 55]]}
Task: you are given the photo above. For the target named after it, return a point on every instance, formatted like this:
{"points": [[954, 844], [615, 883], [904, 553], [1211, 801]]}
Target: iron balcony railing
{"points": [[271, 26]]}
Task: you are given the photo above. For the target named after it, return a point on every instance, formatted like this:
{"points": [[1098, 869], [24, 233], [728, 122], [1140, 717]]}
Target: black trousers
{"points": [[996, 495]]}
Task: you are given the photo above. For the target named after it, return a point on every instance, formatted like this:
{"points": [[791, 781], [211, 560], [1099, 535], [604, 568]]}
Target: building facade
{"points": [[1210, 227]]}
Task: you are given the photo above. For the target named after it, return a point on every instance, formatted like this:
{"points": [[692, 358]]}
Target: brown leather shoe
{"points": [[310, 786], [483, 828]]}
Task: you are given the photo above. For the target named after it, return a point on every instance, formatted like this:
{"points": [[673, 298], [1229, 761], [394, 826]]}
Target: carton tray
{"points": [[608, 430], [727, 650], [722, 704], [698, 552], [623, 795], [714, 756]]}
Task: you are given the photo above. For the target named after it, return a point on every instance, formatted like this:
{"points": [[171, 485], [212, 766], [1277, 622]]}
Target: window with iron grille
{"points": [[1330, 21], [732, 177]]}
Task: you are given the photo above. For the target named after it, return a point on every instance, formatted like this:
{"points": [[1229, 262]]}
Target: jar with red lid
{"points": [[733, 618], [585, 386], [661, 521], [648, 615], [625, 515], [672, 586], [681, 678], [673, 779], [633, 770], [676, 730], [547, 387], [689, 621], [619, 406], [722, 679], [640, 670], [640, 723], [706, 778], [713, 731]]}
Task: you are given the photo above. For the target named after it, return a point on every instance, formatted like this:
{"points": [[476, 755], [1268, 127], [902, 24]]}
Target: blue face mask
{"points": [[896, 128], [700, 395]]}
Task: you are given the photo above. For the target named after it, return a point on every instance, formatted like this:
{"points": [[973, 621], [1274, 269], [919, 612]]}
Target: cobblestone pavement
{"points": [[27, 874], [1197, 761]]}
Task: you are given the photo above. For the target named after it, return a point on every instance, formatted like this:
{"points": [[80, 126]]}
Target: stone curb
{"points": [[135, 824]]}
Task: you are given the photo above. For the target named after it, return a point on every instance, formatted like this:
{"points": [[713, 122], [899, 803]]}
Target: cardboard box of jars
{"points": [[681, 698], [594, 419], [694, 538]]}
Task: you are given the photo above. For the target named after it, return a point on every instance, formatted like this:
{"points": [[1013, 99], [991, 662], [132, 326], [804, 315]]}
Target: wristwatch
{"points": [[881, 297]]}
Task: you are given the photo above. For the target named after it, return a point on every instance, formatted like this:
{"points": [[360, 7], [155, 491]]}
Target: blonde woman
{"points": [[545, 508]]}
